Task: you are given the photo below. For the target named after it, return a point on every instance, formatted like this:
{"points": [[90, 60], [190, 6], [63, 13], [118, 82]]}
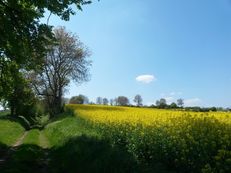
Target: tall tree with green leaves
{"points": [[23, 41]]}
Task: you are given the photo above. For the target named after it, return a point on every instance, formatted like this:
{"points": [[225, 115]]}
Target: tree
{"points": [[161, 103], [18, 96], [157, 103], [111, 102], [173, 105], [99, 100], [138, 100], [122, 101], [65, 61], [80, 99], [23, 34], [105, 101], [180, 102], [23, 43]]}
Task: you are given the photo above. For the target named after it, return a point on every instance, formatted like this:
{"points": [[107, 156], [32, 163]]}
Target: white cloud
{"points": [[192, 102], [145, 78]]}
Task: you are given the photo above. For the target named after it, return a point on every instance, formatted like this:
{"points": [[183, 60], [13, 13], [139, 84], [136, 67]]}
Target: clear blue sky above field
{"points": [[182, 46]]}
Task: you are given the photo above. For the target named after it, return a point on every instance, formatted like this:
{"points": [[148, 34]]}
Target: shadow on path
{"points": [[6, 151], [79, 155]]}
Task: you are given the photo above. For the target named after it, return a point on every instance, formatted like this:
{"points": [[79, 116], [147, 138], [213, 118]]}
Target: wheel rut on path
{"points": [[19, 141]]}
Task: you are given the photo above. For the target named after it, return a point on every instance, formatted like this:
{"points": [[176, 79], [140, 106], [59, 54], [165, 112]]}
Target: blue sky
{"points": [[184, 46]]}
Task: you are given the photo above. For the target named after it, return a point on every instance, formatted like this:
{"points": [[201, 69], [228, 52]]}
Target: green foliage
{"points": [[199, 109], [16, 91], [23, 35], [220, 163], [173, 106], [22, 101], [122, 101], [35, 122], [9, 132], [23, 45], [24, 106], [40, 121], [77, 99], [161, 103]]}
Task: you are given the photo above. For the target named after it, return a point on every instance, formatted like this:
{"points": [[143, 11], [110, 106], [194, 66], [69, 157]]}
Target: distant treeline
{"points": [[160, 104], [195, 108]]}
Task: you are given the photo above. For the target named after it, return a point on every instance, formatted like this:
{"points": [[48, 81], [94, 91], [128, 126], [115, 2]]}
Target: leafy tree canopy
{"points": [[24, 38], [22, 35]]}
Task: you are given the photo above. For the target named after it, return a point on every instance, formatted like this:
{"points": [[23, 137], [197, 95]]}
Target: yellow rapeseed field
{"points": [[182, 141], [145, 116]]}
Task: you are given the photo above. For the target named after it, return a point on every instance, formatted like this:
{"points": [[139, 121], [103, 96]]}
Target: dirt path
{"points": [[43, 141], [20, 140], [38, 155], [6, 156]]}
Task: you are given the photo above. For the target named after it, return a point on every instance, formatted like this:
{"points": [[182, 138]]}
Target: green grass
{"points": [[62, 130], [32, 137], [36, 137], [67, 144], [77, 147], [43, 140], [10, 132]]}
